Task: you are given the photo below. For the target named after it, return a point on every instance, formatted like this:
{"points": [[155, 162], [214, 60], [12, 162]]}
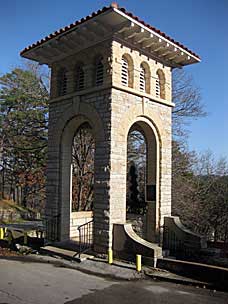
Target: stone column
{"points": [[101, 212]]}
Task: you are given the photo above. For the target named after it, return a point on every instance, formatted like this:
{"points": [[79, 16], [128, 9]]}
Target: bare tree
{"points": [[83, 169], [187, 99], [201, 194]]}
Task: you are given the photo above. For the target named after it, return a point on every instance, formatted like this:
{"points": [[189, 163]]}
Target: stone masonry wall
{"points": [[119, 50], [111, 109], [87, 58], [129, 105], [127, 109], [94, 108]]}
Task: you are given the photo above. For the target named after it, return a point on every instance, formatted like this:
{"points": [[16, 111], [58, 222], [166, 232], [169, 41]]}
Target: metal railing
{"points": [[51, 227], [172, 243], [85, 237], [179, 247]]}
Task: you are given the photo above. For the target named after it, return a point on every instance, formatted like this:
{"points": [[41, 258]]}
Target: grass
{"points": [[11, 206], [15, 221]]}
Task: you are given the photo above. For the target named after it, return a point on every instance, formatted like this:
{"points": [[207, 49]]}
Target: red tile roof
{"points": [[104, 9]]}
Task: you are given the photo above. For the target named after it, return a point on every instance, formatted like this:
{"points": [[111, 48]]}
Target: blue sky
{"points": [[201, 25]]}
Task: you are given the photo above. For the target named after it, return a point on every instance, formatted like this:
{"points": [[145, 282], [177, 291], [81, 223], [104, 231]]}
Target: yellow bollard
{"points": [[1, 233], [110, 256], [138, 262], [25, 238]]}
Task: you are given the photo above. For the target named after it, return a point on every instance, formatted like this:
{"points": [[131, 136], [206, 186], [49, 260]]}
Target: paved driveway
{"points": [[36, 283]]}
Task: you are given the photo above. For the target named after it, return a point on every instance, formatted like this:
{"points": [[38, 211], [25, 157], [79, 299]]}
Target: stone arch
{"points": [[131, 116], [145, 125], [79, 109], [161, 79], [147, 74], [83, 148], [130, 69], [75, 115], [153, 126]]}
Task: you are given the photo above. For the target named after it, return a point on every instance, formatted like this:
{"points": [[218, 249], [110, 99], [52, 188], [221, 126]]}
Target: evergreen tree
{"points": [[135, 203], [23, 130]]}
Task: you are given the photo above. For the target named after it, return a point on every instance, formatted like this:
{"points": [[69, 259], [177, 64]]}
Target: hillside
{"points": [[11, 212]]}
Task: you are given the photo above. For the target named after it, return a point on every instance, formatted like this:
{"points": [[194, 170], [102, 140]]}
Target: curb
{"points": [[58, 261], [67, 262], [179, 280], [173, 278], [135, 276]]}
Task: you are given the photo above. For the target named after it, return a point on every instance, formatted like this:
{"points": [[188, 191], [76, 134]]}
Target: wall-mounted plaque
{"points": [[150, 193]]}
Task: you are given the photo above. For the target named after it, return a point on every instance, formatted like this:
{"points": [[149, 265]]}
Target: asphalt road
{"points": [[36, 283]]}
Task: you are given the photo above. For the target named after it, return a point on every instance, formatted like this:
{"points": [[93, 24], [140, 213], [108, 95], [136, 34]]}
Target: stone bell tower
{"points": [[113, 71]]}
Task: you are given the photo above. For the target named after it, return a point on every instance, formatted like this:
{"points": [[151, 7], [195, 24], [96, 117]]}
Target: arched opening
{"points": [[127, 71], [82, 178], [99, 71], [144, 84], [142, 175], [83, 148], [79, 77], [60, 172], [142, 79], [136, 178], [160, 84], [62, 82]]}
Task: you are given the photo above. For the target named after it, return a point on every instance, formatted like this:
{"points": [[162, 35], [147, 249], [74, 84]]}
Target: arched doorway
{"points": [[142, 180], [82, 179], [136, 180], [77, 135]]}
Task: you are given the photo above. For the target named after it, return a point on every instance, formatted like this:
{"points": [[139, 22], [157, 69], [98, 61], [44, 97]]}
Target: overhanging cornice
{"points": [[107, 23]]}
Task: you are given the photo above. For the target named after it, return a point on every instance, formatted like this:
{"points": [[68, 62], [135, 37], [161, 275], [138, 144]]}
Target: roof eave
{"points": [[168, 41], [165, 48]]}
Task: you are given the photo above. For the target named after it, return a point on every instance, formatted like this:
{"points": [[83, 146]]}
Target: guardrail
{"points": [[85, 237]]}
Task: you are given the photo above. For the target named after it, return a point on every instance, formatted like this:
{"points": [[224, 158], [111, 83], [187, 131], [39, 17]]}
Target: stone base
{"points": [[179, 240], [126, 244]]}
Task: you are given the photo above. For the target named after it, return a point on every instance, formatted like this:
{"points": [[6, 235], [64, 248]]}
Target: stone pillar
{"points": [[101, 210], [151, 215], [52, 186]]}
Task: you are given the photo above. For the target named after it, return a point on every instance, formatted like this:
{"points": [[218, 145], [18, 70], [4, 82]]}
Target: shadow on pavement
{"points": [[146, 293]]}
